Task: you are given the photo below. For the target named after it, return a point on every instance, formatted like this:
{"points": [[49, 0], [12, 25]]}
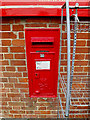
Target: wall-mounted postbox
{"points": [[42, 48]]}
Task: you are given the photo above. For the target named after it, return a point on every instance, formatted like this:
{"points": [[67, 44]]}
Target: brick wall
{"points": [[15, 99]]}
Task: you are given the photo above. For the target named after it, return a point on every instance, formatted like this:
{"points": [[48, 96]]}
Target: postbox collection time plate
{"points": [[42, 65]]}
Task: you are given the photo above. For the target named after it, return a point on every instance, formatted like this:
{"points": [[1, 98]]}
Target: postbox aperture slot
{"points": [[42, 41]]}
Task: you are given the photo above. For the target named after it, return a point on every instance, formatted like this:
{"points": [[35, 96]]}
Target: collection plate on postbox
{"points": [[42, 50]]}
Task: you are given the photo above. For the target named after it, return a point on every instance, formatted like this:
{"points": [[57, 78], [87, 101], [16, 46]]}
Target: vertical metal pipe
{"points": [[68, 59]]}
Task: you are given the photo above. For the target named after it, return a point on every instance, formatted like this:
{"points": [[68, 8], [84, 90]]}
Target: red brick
{"points": [[64, 35], [4, 90], [18, 27], [53, 25], [87, 56], [21, 85], [82, 50], [42, 112], [17, 49], [63, 27], [12, 80], [12, 74], [5, 62], [6, 20], [23, 80], [5, 27], [8, 85], [1, 75], [21, 35], [64, 49], [8, 35], [1, 84], [4, 103], [3, 49], [86, 69], [41, 108], [79, 56], [62, 56], [2, 68], [24, 90], [21, 68], [10, 68], [64, 63], [6, 99], [78, 43], [18, 20], [38, 20], [16, 104], [7, 115], [17, 116], [45, 100], [13, 95], [1, 56], [18, 62], [28, 108], [54, 112], [8, 56], [19, 56], [81, 36], [25, 74], [29, 112], [42, 104], [18, 42], [16, 108], [56, 20], [4, 80], [17, 112], [36, 25], [3, 94], [78, 69], [29, 116], [41, 116], [81, 43], [88, 43], [80, 73]]}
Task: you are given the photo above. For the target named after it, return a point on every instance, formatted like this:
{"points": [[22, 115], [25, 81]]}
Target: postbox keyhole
{"points": [[37, 75]]}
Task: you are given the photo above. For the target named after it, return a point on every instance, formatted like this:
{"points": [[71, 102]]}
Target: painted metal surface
{"points": [[68, 59], [42, 61], [38, 8]]}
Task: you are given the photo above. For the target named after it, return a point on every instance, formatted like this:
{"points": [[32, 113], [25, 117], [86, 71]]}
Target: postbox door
{"points": [[43, 78]]}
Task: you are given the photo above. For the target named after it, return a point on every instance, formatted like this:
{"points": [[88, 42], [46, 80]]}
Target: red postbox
{"points": [[42, 49]]}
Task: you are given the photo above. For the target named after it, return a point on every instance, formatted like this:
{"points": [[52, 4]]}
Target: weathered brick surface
{"points": [[16, 102], [5, 27]]}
